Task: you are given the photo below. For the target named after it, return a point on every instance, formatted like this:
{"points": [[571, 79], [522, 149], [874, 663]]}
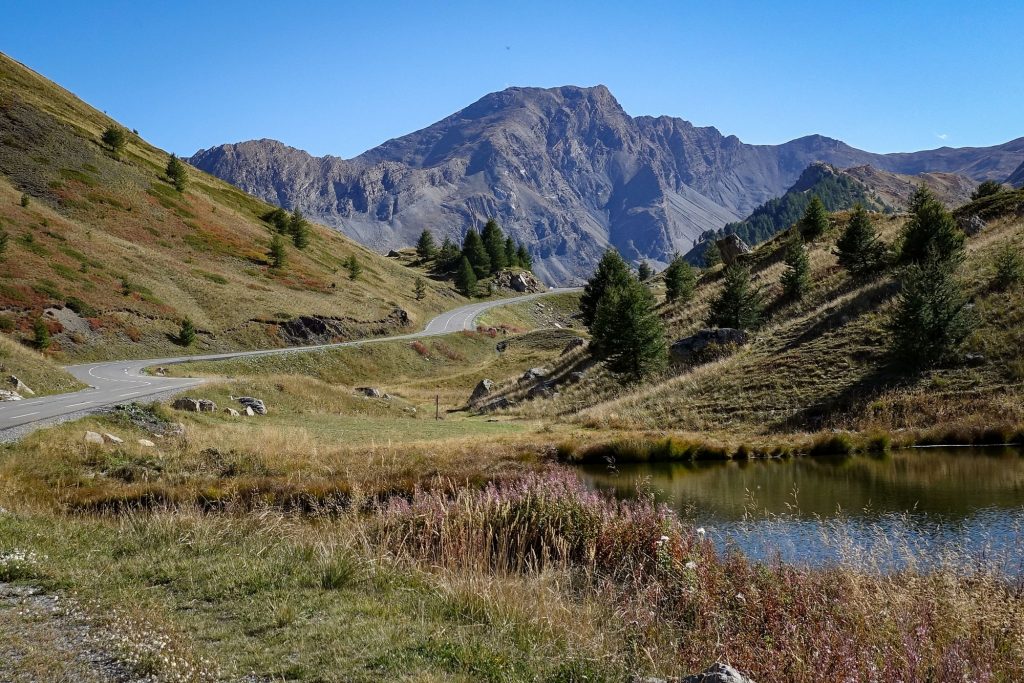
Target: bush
{"points": [[5, 239], [354, 267], [644, 271], [25, 200], [1009, 267], [298, 228], [115, 138], [41, 334], [987, 189], [80, 307]]}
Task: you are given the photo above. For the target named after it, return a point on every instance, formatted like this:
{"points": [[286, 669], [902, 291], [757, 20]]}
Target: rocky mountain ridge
{"points": [[565, 170]]}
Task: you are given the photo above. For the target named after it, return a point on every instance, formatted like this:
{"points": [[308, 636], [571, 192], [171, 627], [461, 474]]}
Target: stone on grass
{"points": [[257, 405], [231, 412], [194, 405], [6, 395], [111, 438], [703, 345], [20, 387], [147, 443], [94, 438], [534, 373], [482, 390], [249, 412], [369, 392], [718, 673]]}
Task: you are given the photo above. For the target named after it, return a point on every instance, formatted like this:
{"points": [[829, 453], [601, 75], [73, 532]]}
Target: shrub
{"points": [[420, 348], [1009, 267], [41, 334], [298, 228], [420, 289], [831, 444], [187, 333], [80, 307], [355, 268], [5, 239], [987, 189], [25, 200]]}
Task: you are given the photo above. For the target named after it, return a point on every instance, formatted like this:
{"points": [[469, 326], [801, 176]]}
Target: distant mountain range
{"points": [[566, 171]]}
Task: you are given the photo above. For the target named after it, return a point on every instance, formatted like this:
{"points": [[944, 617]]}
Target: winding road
{"points": [[113, 382]]}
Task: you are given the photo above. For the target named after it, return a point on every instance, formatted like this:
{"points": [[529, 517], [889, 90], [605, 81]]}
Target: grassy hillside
{"points": [[824, 363], [38, 372], [119, 257]]}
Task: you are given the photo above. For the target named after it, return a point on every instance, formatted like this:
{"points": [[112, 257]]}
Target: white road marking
{"points": [[15, 417], [83, 403], [130, 393]]}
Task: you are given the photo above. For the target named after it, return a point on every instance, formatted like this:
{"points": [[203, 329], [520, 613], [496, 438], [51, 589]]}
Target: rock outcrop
{"points": [[316, 329], [731, 247], [20, 387], [705, 345], [257, 405], [194, 405], [482, 390], [566, 171]]}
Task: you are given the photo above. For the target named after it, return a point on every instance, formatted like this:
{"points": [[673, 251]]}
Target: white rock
{"points": [[110, 438], [94, 438], [147, 443], [231, 412], [249, 412]]}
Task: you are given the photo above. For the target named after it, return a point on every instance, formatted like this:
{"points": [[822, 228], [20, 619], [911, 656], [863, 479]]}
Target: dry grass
{"points": [[36, 370]]}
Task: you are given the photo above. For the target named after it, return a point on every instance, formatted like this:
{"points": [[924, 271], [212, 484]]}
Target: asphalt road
{"points": [[113, 382]]}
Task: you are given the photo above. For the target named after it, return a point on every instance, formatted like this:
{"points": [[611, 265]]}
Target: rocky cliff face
{"points": [[565, 170], [1017, 177]]}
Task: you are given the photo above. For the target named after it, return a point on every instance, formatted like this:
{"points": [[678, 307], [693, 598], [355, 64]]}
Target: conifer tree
{"points": [[511, 256], [627, 331], [448, 256], [465, 278], [177, 173], [815, 221], [420, 289], [425, 247], [739, 304], [41, 334], [187, 333], [494, 242], [277, 252], [115, 138], [355, 268], [279, 218], [644, 271], [298, 228], [1009, 267], [797, 276], [524, 258], [931, 317], [680, 280], [611, 271], [712, 254], [859, 249], [474, 250], [930, 232]]}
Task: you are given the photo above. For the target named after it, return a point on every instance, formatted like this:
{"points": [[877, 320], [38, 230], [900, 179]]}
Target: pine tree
{"points": [[474, 250], [355, 268], [611, 271], [278, 254], [298, 228], [644, 271], [448, 256], [815, 221], [279, 218], [740, 304], [797, 276], [931, 317], [524, 258], [494, 242], [1009, 267], [41, 334], [511, 256], [420, 289], [465, 278], [177, 173], [859, 249], [187, 333], [425, 247], [712, 254], [25, 199], [680, 280], [115, 138], [627, 331], [931, 231], [987, 189]]}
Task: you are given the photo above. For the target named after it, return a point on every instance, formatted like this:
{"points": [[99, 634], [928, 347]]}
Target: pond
{"points": [[916, 505]]}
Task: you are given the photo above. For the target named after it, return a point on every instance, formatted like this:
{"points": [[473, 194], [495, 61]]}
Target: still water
{"points": [[918, 505]]}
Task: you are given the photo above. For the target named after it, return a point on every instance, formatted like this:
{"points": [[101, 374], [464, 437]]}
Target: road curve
{"points": [[113, 382]]}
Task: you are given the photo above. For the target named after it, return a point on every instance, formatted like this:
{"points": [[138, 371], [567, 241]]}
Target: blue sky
{"points": [[339, 78]]}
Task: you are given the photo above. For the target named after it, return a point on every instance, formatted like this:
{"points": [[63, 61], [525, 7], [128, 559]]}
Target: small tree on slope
{"points": [[627, 331], [611, 271], [680, 280], [796, 279], [859, 250], [739, 304]]}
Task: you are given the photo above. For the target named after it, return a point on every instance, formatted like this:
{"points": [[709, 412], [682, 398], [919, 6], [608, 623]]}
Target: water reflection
{"points": [[930, 502]]}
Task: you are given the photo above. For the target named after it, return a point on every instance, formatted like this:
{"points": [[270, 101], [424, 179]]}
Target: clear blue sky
{"points": [[339, 78]]}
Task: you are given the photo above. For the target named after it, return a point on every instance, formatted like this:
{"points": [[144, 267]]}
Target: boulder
{"points": [[147, 443], [705, 344], [194, 405], [522, 282], [249, 412], [575, 377], [573, 345], [972, 224], [975, 359], [370, 392], [502, 346], [731, 247], [534, 374], [394, 254], [20, 387], [482, 390], [542, 390], [231, 412], [499, 403], [111, 438], [257, 405], [6, 395], [94, 439], [718, 673]]}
